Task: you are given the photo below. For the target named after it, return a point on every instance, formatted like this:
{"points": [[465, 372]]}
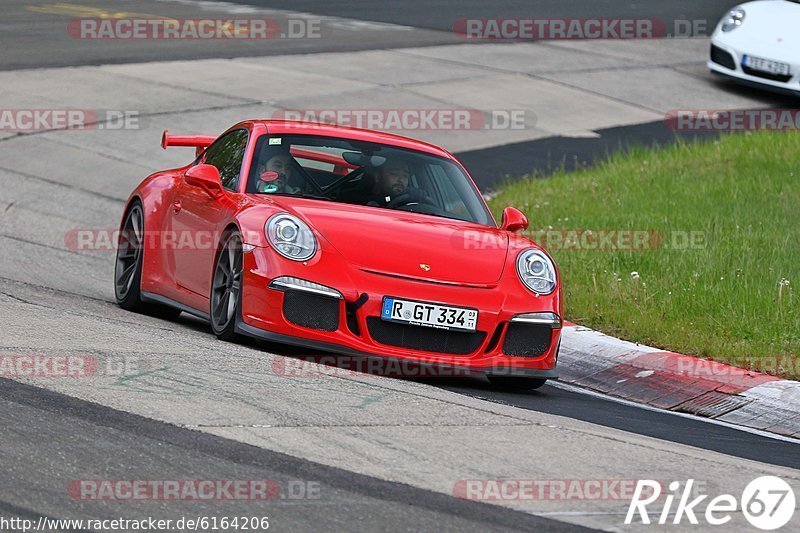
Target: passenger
{"points": [[281, 163]]}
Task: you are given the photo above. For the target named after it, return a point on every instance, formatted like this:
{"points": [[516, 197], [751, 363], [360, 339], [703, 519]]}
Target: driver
{"points": [[279, 162], [392, 185]]}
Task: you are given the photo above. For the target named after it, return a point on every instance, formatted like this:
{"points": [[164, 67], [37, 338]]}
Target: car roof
{"points": [[291, 127]]}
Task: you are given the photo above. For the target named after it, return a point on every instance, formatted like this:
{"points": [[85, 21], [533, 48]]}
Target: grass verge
{"points": [[714, 253]]}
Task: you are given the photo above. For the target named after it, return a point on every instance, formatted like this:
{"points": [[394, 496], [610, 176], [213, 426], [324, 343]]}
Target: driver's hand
{"points": [[412, 195]]}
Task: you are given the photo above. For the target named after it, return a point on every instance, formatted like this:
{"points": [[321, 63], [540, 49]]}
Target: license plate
{"points": [[766, 65], [429, 315]]}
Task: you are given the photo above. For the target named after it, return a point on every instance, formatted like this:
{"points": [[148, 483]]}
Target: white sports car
{"points": [[758, 43]]}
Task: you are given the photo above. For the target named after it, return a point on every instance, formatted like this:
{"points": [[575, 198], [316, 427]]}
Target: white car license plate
{"points": [[429, 315], [766, 65]]}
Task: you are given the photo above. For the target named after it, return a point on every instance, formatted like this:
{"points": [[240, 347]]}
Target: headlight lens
{"points": [[291, 237], [536, 271], [733, 19]]}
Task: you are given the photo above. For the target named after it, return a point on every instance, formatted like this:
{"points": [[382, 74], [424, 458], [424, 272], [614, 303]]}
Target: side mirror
{"points": [[514, 220], [206, 177]]}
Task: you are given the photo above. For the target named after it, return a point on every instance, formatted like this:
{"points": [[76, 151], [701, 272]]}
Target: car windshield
{"points": [[362, 173]]}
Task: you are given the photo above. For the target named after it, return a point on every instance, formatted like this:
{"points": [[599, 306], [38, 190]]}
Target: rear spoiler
{"points": [[200, 142]]}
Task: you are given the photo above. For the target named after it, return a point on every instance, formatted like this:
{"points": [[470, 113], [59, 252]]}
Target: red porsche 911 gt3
{"points": [[342, 240]]}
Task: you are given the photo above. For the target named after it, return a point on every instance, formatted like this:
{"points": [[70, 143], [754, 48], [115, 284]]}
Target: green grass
{"points": [[723, 298]]}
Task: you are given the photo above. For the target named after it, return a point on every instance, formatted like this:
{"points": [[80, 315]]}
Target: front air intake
{"points": [[311, 310], [527, 340], [721, 57]]}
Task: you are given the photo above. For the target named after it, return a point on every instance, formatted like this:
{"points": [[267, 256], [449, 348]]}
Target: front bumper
{"points": [[726, 60], [357, 330]]}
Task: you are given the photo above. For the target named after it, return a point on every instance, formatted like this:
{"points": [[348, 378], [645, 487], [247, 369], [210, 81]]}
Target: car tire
{"points": [[516, 382], [128, 267], [226, 284]]}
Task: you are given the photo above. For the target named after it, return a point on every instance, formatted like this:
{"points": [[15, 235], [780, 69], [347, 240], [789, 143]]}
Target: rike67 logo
{"points": [[767, 502]]}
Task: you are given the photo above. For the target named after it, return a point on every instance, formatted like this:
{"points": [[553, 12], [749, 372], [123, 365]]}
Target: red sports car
{"points": [[346, 241]]}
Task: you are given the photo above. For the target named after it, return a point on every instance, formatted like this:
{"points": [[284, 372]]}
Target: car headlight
{"points": [[291, 237], [536, 271], [733, 19]]}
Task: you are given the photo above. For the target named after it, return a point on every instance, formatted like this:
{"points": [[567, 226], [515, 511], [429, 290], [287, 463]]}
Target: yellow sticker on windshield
{"points": [[275, 140]]}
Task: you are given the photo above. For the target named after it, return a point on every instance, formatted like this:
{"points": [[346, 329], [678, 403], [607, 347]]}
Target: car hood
{"points": [[773, 24], [410, 245]]}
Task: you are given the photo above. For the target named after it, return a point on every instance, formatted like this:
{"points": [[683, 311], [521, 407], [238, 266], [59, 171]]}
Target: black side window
{"points": [[227, 154]]}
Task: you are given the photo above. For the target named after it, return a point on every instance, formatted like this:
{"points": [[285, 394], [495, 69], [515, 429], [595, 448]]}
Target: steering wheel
{"points": [[411, 197]]}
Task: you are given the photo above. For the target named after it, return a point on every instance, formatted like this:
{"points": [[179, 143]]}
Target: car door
{"points": [[198, 219]]}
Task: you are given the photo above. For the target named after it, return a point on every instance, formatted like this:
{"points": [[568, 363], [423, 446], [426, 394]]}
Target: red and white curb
{"points": [[667, 380]]}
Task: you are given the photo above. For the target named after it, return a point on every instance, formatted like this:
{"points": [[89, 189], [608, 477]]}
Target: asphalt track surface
{"points": [[49, 438], [689, 430], [34, 33], [441, 14], [154, 450], [542, 157]]}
